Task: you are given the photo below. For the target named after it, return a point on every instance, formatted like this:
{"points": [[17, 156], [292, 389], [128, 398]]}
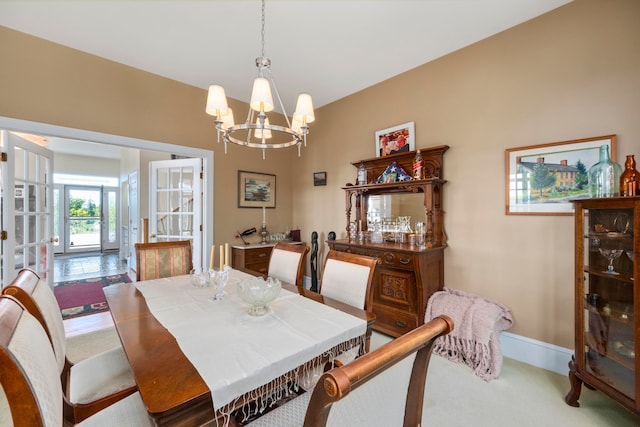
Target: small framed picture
{"points": [[319, 178], [397, 139]]}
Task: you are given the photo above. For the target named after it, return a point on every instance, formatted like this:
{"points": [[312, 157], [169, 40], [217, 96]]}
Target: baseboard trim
{"points": [[537, 353], [527, 350]]}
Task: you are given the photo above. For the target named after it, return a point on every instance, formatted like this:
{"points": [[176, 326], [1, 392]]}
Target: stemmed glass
{"points": [[611, 255], [220, 279]]}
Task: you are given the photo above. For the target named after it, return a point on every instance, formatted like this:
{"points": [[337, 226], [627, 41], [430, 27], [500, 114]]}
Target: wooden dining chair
{"points": [[347, 277], [31, 393], [287, 262], [382, 388], [89, 385], [155, 260]]}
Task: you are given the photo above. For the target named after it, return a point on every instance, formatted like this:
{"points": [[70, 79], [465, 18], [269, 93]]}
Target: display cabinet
{"points": [[607, 301], [407, 274]]}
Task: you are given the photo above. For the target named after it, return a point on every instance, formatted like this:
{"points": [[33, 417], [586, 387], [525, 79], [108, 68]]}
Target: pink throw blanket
{"points": [[477, 323]]}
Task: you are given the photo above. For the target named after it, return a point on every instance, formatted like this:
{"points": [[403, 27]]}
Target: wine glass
{"points": [[611, 255], [220, 279]]}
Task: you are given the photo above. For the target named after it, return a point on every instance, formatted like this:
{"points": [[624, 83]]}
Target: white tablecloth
{"points": [[234, 352]]}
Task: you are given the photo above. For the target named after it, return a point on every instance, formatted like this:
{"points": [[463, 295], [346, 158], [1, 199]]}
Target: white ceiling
{"points": [[329, 48]]}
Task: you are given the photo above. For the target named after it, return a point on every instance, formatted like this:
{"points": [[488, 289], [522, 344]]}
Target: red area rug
{"points": [[82, 297]]}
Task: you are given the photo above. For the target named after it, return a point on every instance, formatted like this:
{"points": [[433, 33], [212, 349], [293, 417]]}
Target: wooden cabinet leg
{"points": [[576, 384]]}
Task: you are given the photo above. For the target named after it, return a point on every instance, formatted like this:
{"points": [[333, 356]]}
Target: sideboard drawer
{"points": [[260, 267], [257, 255], [397, 260], [254, 259]]}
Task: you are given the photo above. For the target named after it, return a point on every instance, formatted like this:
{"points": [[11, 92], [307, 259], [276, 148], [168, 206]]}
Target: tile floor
{"points": [[81, 266]]}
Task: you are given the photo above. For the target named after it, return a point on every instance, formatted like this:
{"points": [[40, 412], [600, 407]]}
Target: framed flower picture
{"points": [[396, 139]]}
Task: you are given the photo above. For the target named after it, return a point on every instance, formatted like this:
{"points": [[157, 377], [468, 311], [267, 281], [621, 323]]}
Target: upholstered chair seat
{"points": [[89, 384], [31, 393], [382, 388], [156, 260], [287, 262], [347, 277]]}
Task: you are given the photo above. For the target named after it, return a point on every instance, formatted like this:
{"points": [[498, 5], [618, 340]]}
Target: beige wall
{"points": [[569, 74], [48, 83], [573, 73]]}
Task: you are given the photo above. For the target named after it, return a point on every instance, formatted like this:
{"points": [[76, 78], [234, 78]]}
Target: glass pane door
{"points": [[609, 297], [82, 220], [27, 209]]}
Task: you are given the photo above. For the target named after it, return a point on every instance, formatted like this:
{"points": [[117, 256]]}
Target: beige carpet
{"points": [[522, 396]]}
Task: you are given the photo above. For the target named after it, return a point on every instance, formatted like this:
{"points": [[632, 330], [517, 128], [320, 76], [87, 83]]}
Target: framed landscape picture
{"points": [[543, 179], [256, 190], [397, 139]]}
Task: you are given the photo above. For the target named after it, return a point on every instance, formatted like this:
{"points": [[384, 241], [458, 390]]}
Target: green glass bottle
{"points": [[604, 176]]}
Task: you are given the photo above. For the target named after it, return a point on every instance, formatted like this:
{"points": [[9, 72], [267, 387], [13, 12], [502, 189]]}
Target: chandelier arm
{"points": [[275, 89]]}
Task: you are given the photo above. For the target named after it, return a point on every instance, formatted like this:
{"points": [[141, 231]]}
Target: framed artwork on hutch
{"points": [[396, 139]]}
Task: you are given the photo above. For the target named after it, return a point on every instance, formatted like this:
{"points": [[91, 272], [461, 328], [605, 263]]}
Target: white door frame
{"points": [[37, 128], [34, 250], [171, 182]]}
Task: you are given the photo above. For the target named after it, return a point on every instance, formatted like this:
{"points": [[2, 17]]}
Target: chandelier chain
{"points": [[262, 33]]}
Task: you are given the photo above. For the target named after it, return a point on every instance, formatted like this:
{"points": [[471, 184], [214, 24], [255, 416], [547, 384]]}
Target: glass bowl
{"points": [[258, 293], [200, 278]]}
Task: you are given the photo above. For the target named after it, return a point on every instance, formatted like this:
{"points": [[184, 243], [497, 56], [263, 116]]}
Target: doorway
{"points": [[90, 219], [121, 141]]}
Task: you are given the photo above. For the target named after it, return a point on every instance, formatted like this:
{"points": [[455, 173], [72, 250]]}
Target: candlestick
{"points": [[264, 215], [221, 257], [213, 250], [226, 254]]}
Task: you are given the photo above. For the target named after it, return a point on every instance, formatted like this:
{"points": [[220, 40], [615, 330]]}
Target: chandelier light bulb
{"points": [[304, 109], [261, 99], [260, 133]]}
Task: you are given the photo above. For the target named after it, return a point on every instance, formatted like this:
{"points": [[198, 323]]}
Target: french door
{"points": [[175, 203], [90, 218], [26, 189]]}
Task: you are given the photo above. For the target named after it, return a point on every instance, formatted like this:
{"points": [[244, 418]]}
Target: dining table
{"points": [[196, 360]]}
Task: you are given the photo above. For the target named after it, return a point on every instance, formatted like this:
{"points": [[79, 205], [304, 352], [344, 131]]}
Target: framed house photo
{"points": [[256, 190], [397, 139], [543, 179]]}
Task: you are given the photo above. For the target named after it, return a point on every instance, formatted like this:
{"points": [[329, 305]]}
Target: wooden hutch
{"points": [[607, 300], [407, 274]]}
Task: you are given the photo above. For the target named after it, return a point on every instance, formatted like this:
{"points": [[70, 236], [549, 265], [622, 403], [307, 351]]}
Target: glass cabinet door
{"points": [[610, 347]]}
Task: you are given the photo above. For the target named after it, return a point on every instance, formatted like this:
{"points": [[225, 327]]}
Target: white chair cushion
{"points": [[99, 376], [283, 265], [46, 300], [291, 414], [345, 281], [32, 349], [5, 411], [128, 412], [378, 402]]}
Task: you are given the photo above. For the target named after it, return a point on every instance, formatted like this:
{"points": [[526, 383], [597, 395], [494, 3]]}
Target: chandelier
{"points": [[256, 131]]}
